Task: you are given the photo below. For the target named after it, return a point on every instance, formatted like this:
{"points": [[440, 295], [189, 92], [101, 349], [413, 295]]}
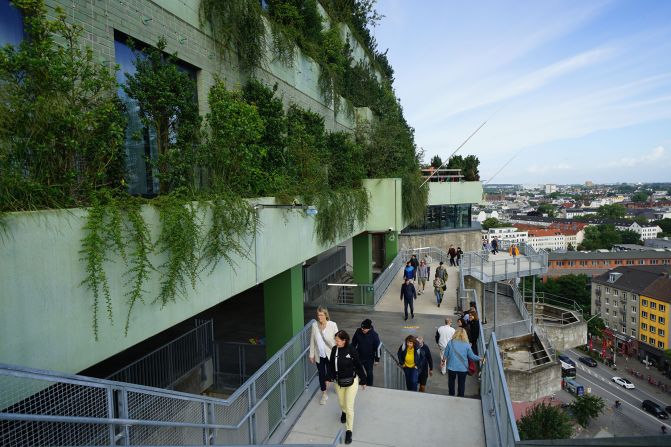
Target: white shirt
{"points": [[446, 333], [316, 339]]}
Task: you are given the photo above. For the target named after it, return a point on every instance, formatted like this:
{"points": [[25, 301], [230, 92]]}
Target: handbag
{"points": [[345, 381], [472, 367]]}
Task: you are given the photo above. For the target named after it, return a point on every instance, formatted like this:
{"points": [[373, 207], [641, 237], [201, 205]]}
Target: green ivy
{"points": [[339, 212]]}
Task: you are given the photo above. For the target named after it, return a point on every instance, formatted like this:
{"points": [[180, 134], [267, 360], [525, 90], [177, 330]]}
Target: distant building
{"points": [[596, 263], [658, 243], [547, 239], [550, 188], [589, 183], [507, 234], [635, 302], [572, 213]]}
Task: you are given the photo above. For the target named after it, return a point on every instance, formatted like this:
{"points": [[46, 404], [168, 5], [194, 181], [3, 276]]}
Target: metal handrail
{"points": [[288, 376]]}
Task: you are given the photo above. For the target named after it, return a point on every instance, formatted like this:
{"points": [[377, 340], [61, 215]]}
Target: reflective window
{"points": [[444, 217], [11, 24]]}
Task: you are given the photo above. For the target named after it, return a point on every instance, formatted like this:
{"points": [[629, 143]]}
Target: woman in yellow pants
{"points": [[348, 373]]}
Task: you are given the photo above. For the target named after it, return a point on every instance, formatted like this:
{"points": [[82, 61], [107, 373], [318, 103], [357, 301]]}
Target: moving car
{"points": [[624, 382], [589, 361], [566, 359], [654, 409]]}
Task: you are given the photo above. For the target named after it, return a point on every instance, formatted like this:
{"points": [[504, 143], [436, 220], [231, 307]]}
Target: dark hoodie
{"points": [[367, 345]]}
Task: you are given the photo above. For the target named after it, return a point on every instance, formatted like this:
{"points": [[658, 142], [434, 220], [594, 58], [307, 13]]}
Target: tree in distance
{"points": [[543, 421], [614, 211], [639, 196], [493, 222], [587, 407]]}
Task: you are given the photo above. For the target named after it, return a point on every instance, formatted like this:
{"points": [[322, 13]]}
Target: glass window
{"points": [[653, 317], [660, 344], [607, 300], [661, 320], [633, 309], [652, 340], [140, 141], [644, 315], [633, 319], [616, 292], [607, 289], [644, 338], [644, 326], [661, 332], [444, 217], [641, 262], [662, 308], [633, 332], [653, 329], [606, 311], [624, 295], [644, 302], [11, 24], [653, 305]]}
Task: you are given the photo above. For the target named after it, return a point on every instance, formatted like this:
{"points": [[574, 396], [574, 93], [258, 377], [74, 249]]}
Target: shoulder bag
{"points": [[472, 368]]}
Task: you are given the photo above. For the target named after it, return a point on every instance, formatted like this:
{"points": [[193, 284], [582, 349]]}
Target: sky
{"points": [[571, 90]]}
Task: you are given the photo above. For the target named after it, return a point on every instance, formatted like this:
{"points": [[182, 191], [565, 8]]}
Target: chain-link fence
{"points": [[47, 408]]}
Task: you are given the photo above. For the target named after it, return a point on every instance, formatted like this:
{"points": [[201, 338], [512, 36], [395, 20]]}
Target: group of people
{"points": [[421, 274], [348, 363]]}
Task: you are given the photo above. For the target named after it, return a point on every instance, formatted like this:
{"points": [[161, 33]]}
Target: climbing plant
{"points": [[62, 126]]}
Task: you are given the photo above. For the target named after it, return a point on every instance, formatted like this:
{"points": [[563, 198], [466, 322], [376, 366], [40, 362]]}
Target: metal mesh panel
{"points": [[148, 435], [232, 415], [268, 415], [23, 434], [295, 385], [151, 407], [268, 378]]}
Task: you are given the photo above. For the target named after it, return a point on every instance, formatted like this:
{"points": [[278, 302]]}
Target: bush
{"points": [[587, 407], [543, 421]]}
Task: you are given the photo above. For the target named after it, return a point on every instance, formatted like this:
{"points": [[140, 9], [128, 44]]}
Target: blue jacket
{"points": [[409, 272], [457, 352]]}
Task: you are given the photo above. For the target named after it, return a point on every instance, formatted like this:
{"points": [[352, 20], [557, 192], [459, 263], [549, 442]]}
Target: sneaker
{"points": [[438, 304], [406, 318], [348, 437], [324, 398], [413, 315], [343, 417]]}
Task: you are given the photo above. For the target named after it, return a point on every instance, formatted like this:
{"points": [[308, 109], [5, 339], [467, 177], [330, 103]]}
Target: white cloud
{"points": [[656, 155]]}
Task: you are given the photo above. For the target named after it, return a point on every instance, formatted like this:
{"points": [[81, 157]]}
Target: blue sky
{"points": [[576, 90]]}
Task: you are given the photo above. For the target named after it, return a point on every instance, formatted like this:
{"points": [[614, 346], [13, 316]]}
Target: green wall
{"points": [[390, 247], [362, 258], [46, 318], [283, 307], [453, 193]]}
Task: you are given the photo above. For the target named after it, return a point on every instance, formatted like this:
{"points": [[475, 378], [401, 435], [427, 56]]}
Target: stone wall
{"points": [[566, 336], [468, 240], [527, 386]]}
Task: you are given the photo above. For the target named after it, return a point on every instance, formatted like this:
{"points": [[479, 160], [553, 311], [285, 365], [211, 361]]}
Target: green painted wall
{"points": [[362, 258], [388, 217], [283, 307], [390, 247], [46, 318], [453, 193]]}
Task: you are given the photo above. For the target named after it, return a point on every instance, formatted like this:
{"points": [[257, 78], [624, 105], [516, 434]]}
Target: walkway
{"points": [[488, 268], [395, 418]]}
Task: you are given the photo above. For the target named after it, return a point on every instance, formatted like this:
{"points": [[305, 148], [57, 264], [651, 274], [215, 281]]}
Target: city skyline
{"points": [[573, 91]]}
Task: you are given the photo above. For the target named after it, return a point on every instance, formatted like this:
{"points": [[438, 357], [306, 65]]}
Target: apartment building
{"points": [[597, 263], [506, 234], [546, 239], [634, 303]]}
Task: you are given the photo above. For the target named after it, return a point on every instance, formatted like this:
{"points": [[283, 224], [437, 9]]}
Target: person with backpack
{"points": [[438, 288]]}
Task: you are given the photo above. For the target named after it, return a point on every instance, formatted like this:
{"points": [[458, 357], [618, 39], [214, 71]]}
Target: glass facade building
{"points": [[444, 217]]}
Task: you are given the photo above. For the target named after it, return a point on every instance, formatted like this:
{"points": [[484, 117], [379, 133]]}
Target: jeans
{"points": [[406, 303], [322, 369], [411, 378], [439, 295], [368, 366], [461, 381]]}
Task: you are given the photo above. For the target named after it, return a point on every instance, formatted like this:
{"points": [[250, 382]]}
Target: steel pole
{"points": [[496, 292], [533, 303]]}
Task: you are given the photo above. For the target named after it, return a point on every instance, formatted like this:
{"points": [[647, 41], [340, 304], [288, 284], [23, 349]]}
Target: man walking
{"points": [[441, 272], [443, 336], [453, 255], [408, 295], [425, 364], [495, 246], [367, 344], [460, 253]]}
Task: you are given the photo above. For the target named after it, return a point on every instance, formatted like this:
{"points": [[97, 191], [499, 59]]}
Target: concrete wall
{"points": [[46, 320], [177, 20], [566, 336], [468, 240], [453, 193], [526, 386]]}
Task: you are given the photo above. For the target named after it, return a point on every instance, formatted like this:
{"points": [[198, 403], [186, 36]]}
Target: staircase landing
{"points": [[384, 417]]}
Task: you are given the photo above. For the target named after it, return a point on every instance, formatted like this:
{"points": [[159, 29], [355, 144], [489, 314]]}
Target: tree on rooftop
{"points": [[493, 222], [547, 208], [468, 166], [544, 421], [640, 196], [615, 211], [436, 161], [600, 237], [630, 237]]}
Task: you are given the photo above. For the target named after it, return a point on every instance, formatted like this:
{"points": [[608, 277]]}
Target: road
{"points": [[599, 379]]}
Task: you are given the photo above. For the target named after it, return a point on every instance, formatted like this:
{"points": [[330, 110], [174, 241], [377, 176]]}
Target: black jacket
{"points": [[348, 364], [367, 345], [474, 330], [408, 292], [425, 359]]}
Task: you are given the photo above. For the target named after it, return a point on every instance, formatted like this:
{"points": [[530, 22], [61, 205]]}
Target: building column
{"points": [[362, 258], [283, 307], [390, 247]]}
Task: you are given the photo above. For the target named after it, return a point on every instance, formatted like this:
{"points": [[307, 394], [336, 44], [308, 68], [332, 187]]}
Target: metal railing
{"points": [[317, 275], [168, 365], [510, 330], [394, 377], [487, 268], [554, 300], [497, 410], [57, 409], [383, 281], [236, 362]]}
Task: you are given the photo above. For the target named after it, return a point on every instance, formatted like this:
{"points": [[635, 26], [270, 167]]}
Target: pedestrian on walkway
{"points": [[463, 324], [514, 251], [347, 373], [408, 358], [453, 255], [409, 271], [474, 330], [460, 254], [367, 344], [438, 289], [426, 364], [457, 353], [495, 245], [441, 272], [322, 340], [414, 262], [408, 295], [423, 274], [443, 336]]}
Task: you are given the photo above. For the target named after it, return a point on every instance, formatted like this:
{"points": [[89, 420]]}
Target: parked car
{"points": [[589, 361], [566, 359], [624, 383], [654, 409]]}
